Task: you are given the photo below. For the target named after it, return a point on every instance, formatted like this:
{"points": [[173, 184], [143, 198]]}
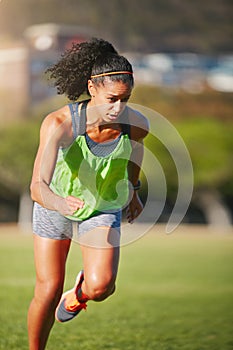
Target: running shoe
{"points": [[69, 306]]}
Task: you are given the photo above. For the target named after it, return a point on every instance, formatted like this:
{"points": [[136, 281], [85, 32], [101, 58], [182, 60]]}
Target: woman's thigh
{"points": [[50, 258], [100, 255]]}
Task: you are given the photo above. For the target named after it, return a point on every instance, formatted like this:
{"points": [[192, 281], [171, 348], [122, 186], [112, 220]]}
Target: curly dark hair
{"points": [[72, 72]]}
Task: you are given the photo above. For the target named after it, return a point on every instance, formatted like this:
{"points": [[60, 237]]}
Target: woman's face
{"points": [[110, 98]]}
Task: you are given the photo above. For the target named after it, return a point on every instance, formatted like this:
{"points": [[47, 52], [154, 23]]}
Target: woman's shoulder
{"points": [[57, 117], [58, 124], [139, 124]]}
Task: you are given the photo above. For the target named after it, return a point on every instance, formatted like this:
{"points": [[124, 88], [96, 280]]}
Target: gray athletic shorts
{"points": [[51, 224]]}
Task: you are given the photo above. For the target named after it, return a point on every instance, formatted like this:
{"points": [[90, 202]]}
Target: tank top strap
{"points": [[75, 120], [78, 120]]}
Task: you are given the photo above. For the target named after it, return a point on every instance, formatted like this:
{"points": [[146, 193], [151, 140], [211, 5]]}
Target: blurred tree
{"points": [[208, 140], [17, 152], [134, 25], [210, 145]]}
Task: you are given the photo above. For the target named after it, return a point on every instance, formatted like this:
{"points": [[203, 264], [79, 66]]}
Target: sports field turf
{"points": [[174, 292]]}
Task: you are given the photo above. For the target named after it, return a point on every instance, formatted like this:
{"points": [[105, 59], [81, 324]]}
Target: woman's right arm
{"points": [[53, 134]]}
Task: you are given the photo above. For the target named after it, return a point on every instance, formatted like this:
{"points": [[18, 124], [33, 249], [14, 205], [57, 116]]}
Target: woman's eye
{"points": [[113, 99]]}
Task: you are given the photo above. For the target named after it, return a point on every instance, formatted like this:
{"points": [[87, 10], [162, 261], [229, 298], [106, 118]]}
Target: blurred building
{"points": [[14, 81], [187, 71], [22, 66], [46, 43]]}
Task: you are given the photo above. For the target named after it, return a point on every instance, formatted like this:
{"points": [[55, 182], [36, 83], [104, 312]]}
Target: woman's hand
{"points": [[69, 205], [135, 208]]}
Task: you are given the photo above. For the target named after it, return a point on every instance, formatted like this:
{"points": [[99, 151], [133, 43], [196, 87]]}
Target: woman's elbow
{"points": [[34, 191]]}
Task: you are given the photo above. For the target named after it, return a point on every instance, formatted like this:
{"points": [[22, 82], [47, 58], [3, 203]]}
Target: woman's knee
{"points": [[99, 288], [49, 291]]}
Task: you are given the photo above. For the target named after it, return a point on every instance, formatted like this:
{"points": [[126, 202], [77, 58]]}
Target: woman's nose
{"points": [[117, 106]]}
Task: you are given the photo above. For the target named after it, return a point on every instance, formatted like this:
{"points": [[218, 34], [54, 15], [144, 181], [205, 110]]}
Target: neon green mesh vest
{"points": [[100, 181]]}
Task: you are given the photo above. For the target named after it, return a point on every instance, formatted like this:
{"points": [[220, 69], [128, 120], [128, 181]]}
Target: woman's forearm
{"points": [[135, 162], [42, 194]]}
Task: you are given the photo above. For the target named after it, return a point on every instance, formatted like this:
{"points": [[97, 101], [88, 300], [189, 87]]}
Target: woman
{"points": [[89, 153]]}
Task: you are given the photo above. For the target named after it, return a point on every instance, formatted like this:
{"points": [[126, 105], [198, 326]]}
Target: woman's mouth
{"points": [[113, 116]]}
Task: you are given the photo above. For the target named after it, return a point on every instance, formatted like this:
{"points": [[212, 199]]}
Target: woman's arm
{"points": [[55, 131], [139, 130]]}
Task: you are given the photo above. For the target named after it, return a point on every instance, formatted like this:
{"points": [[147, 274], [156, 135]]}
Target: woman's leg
{"points": [[50, 259], [100, 253]]}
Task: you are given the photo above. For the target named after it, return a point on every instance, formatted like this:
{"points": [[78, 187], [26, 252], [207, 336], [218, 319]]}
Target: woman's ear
{"points": [[91, 88]]}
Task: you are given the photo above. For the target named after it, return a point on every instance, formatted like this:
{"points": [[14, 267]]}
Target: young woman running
{"points": [[86, 171]]}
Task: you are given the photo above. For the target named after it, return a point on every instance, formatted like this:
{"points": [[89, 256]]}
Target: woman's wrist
{"points": [[58, 202], [137, 186]]}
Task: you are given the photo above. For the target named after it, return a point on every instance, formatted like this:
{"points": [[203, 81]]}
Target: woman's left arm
{"points": [[139, 130]]}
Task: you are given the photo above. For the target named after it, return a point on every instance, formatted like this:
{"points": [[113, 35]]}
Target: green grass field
{"points": [[174, 292]]}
